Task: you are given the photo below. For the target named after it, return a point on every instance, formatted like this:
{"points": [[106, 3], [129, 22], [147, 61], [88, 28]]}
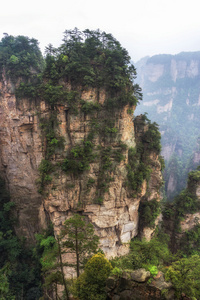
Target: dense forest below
{"points": [[91, 59]]}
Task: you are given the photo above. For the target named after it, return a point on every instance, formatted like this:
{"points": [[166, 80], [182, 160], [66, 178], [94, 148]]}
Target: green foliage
{"points": [[93, 59], [99, 200], [149, 255], [193, 178], [168, 211], [105, 158], [138, 171], [139, 164], [130, 111], [148, 212], [162, 162], [186, 202], [49, 252], [79, 238], [52, 140], [118, 155], [53, 93], [79, 158], [91, 283], [190, 241], [116, 272], [97, 59], [184, 274], [109, 130], [45, 169], [153, 270], [20, 56], [53, 143], [104, 177], [122, 145], [145, 253], [151, 138], [5, 293], [89, 107], [27, 90], [90, 183]]}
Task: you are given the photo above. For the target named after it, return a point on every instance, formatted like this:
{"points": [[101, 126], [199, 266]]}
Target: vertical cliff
{"points": [[69, 146], [101, 192]]}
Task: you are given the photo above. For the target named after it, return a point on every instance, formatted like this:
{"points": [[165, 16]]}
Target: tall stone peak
{"points": [[101, 192], [69, 143]]}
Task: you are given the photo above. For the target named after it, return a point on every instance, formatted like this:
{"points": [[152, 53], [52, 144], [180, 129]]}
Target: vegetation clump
{"points": [[139, 164], [91, 283], [184, 274], [148, 212], [144, 254], [20, 57], [88, 59], [79, 158]]}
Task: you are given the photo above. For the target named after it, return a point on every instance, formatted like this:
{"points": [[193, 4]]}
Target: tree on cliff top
{"points": [[93, 59], [87, 59], [20, 56]]}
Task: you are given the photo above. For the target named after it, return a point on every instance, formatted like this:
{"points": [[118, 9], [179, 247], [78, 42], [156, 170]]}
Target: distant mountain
{"points": [[171, 97]]}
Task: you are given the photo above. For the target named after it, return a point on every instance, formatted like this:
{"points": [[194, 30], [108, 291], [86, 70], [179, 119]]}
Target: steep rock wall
{"points": [[22, 148]]}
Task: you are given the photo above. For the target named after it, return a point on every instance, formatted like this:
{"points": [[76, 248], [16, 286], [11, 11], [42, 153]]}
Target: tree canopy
{"points": [[93, 59], [20, 56]]}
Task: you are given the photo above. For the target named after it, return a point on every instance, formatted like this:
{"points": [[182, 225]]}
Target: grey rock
{"points": [[140, 275]]}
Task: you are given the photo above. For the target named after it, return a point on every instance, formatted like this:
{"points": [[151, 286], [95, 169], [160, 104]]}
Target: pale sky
{"points": [[143, 27]]}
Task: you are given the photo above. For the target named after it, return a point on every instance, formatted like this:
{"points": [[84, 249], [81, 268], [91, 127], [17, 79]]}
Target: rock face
{"points": [[171, 94], [22, 148]]}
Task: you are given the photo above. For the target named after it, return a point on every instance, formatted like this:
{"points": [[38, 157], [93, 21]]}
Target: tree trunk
{"points": [[77, 255], [62, 271]]}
